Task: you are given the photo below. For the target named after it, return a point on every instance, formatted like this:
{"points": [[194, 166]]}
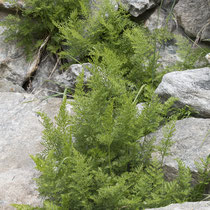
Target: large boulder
{"points": [[13, 64], [194, 17], [138, 7], [191, 142], [8, 86], [21, 134], [202, 205], [8, 5], [191, 87]]}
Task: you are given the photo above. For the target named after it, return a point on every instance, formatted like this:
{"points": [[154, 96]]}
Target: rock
{"points": [[13, 64], [202, 205], [69, 76], [21, 133], [191, 142], [8, 5], [7, 86], [44, 82], [208, 57], [138, 7], [167, 4], [160, 19], [194, 17], [168, 56], [191, 87], [140, 107]]}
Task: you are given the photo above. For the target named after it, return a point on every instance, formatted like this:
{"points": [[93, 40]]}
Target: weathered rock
{"points": [[191, 87], [191, 142], [21, 133], [202, 205], [194, 17], [140, 107], [6, 4], [138, 7], [208, 57], [167, 4], [13, 64], [7, 86], [44, 85], [44, 82], [69, 76], [160, 19]]}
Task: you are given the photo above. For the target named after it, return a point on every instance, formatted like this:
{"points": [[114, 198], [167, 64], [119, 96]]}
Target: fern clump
{"points": [[38, 20], [108, 165]]}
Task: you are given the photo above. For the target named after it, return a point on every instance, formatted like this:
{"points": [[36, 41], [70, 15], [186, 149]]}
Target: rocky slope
{"points": [[20, 127]]}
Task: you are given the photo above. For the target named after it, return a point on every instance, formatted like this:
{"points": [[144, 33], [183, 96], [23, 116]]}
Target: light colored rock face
{"points": [[191, 142], [169, 3], [191, 87], [21, 133], [68, 77], [138, 7], [203, 205], [6, 4], [158, 20], [194, 17], [7, 86], [13, 64]]}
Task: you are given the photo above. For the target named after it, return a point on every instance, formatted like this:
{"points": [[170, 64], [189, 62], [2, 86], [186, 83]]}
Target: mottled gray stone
{"points": [[21, 134], [13, 64], [8, 86], [138, 7], [191, 142], [191, 87], [69, 76], [160, 19], [202, 205], [194, 17]]}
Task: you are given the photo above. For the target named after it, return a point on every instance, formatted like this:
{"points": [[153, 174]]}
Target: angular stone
{"points": [[202, 205], [7, 86], [21, 134], [194, 17], [191, 142], [191, 87], [138, 7], [13, 64]]}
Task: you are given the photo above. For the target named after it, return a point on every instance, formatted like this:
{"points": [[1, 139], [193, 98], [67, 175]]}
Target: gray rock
{"points": [[138, 7], [160, 19], [167, 4], [44, 82], [140, 107], [208, 57], [191, 142], [69, 76], [191, 87], [8, 5], [202, 205], [13, 64], [8, 86], [194, 17], [168, 56], [21, 133]]}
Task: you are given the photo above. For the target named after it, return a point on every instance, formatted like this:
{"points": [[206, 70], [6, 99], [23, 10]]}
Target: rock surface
{"points": [[191, 87], [13, 64], [191, 142], [8, 86], [203, 205], [138, 7], [194, 17], [21, 133], [6, 4]]}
